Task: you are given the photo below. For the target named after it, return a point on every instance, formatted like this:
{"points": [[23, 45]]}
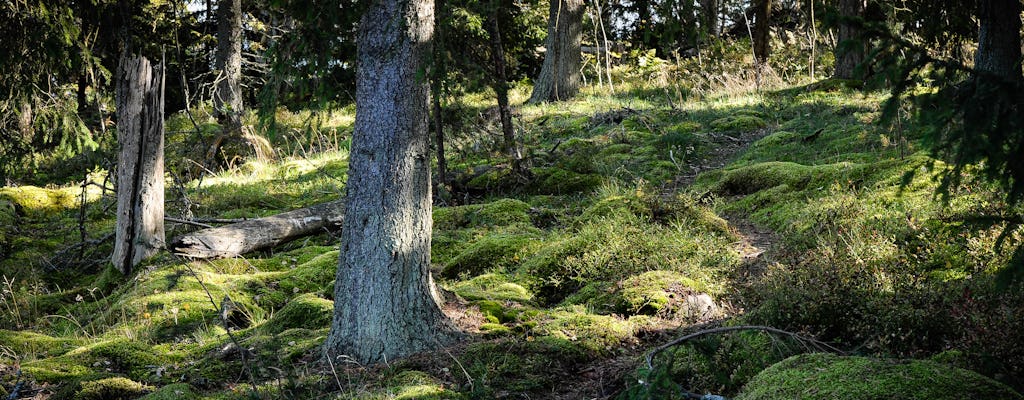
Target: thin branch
{"points": [[187, 222]]}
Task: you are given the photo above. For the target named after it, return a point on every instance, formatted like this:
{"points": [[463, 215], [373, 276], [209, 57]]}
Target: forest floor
{"points": [[643, 219]]}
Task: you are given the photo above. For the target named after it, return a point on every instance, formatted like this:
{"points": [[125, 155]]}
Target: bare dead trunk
{"points": [[385, 304], [762, 30], [999, 52], [849, 52], [25, 120], [560, 74], [261, 233], [140, 171]]}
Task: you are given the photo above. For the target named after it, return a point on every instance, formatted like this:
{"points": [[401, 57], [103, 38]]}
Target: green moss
{"points": [[503, 212], [615, 205], [492, 287], [492, 179], [406, 385], [35, 201], [492, 252], [492, 329], [31, 344], [174, 391], [738, 123], [131, 357], [820, 376], [56, 369], [659, 292], [522, 367], [117, 388], [597, 333], [560, 181], [305, 311]]}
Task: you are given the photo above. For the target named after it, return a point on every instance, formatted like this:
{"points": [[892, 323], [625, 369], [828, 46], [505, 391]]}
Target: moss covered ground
{"points": [[623, 233]]}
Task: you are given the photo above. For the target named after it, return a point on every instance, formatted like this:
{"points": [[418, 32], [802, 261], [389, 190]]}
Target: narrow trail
{"points": [[604, 378]]}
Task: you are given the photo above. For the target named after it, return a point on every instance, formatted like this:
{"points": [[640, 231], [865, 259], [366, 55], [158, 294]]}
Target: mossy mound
{"points": [[492, 287], [492, 252], [117, 388], [26, 343], [176, 391], [738, 123], [560, 181], [529, 368], [601, 334], [502, 212], [754, 178], [130, 357], [827, 376], [668, 294], [306, 311], [405, 385], [35, 201]]}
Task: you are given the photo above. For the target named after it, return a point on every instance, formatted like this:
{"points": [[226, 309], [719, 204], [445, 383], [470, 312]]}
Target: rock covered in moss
{"points": [[305, 311], [117, 388], [827, 376], [492, 287]]}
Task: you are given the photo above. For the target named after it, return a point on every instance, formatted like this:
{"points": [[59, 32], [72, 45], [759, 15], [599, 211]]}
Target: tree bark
{"points": [[501, 88], [140, 171], [762, 29], [560, 74], [385, 303], [436, 92], [709, 10], [999, 53], [227, 100], [261, 233], [849, 52]]}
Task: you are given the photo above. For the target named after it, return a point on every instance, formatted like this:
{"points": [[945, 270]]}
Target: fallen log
{"points": [[261, 233]]}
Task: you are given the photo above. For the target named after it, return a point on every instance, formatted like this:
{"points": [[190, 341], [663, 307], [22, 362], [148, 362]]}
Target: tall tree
{"points": [[140, 174], [762, 29], [500, 85], [999, 53], [849, 52], [385, 302], [560, 75], [227, 98], [709, 17]]}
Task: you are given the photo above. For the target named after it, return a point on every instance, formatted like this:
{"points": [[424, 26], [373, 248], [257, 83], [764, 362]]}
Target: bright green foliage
{"points": [[36, 201], [738, 123], [496, 251], [492, 287], [819, 376]]}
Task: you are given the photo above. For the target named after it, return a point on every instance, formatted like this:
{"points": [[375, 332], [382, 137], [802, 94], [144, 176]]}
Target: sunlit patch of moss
{"points": [[116, 388], [492, 287], [497, 251], [35, 201], [174, 391], [491, 329], [33, 345], [560, 181], [56, 369], [613, 248], [816, 376], [305, 311], [123, 355], [406, 385], [598, 333]]}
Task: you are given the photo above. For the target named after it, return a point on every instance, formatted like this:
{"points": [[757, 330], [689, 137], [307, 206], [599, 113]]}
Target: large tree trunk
{"points": [[140, 171], [261, 233], [560, 74], [999, 51], [762, 29], [849, 52], [385, 303], [709, 14]]}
